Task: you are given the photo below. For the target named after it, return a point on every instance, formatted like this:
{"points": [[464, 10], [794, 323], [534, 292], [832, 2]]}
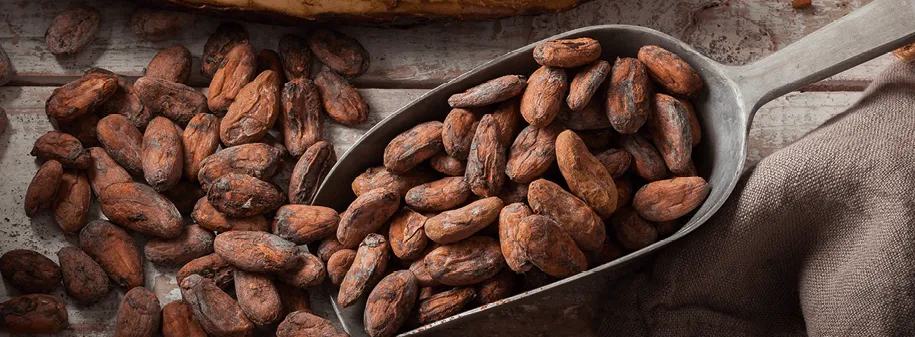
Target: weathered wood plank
{"points": [[733, 32]]}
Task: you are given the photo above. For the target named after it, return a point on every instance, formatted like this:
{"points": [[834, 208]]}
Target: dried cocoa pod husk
{"points": [[43, 189], [365, 215], [141, 209], [491, 92], [339, 52], [296, 57], [448, 165], [174, 101], [465, 262], [670, 199], [226, 37], [328, 247], [71, 205], [390, 304], [586, 176], [368, 267], [126, 102], [171, 64], [304, 224], [139, 314], [194, 242], [631, 231], [200, 139], [211, 219], [34, 314], [179, 321], [163, 154], [513, 192], [258, 160], [310, 171], [236, 71], [256, 251], [413, 146], [586, 83], [380, 177], [63, 148], [303, 324], [292, 298], [532, 153], [240, 195], [30, 272], [628, 96], [341, 101], [486, 162], [217, 312], [84, 279], [71, 31], [268, 59], [407, 234], [548, 247], [439, 195], [457, 132], [159, 25], [443, 305], [572, 214], [212, 267], [339, 263], [646, 161], [258, 297], [123, 142], [616, 161], [308, 271], [301, 116], [567, 53], [115, 251], [83, 128], [509, 219], [252, 114], [592, 116], [496, 288], [104, 171], [458, 224], [671, 132], [670, 71], [544, 95]]}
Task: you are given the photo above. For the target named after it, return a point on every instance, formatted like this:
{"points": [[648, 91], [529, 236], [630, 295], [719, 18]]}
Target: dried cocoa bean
{"points": [[339, 263], [465, 262], [616, 161], [83, 128], [292, 298], [301, 116], [269, 60], [670, 199], [368, 267], [71, 205], [175, 101], [72, 30], [573, 215], [104, 171], [163, 154], [63, 148], [624, 192], [296, 57], [646, 161], [491, 92], [694, 127], [586, 83], [171, 64], [258, 160], [591, 117], [239, 195], [486, 163], [443, 305], [543, 98], [43, 188], [670, 71], [123, 142], [671, 132], [252, 114], [667, 228], [549, 248], [217, 312], [310, 171], [439, 195], [629, 96], [339, 52], [211, 219], [178, 321], [139, 314], [390, 304], [586, 176], [194, 242], [141, 209], [159, 25], [457, 132], [365, 215], [308, 271], [631, 231], [258, 297], [126, 102], [448, 165], [341, 101], [30, 272], [496, 288], [256, 251], [513, 192], [34, 314], [115, 251], [236, 71], [226, 37], [509, 220], [598, 140], [606, 254], [508, 114], [212, 267], [303, 324], [200, 139], [304, 224], [328, 247], [84, 279], [533, 152], [407, 234], [455, 225], [380, 177], [413, 146], [567, 53]]}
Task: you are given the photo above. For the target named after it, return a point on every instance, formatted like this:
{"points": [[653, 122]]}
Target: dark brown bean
{"points": [[509, 219], [296, 57], [407, 234], [194, 242], [256, 251], [439, 195], [616, 161], [549, 248], [328, 247], [123, 142], [365, 215], [71, 205], [513, 192], [236, 71], [211, 219], [339, 52], [253, 112], [73, 30], [586, 176], [257, 159], [200, 140], [448, 165], [268, 59], [174, 101], [226, 37], [310, 171], [490, 92], [258, 297], [413, 146], [486, 162], [239, 195], [83, 128], [171, 64], [139, 314], [508, 114], [586, 83], [443, 305], [671, 133], [465, 262], [30, 272], [104, 171], [628, 96], [178, 321], [185, 196], [544, 96], [307, 271], [342, 101], [573, 215], [303, 324], [212, 267], [163, 154], [367, 269], [84, 279], [140, 208], [419, 270], [457, 132], [390, 304], [591, 117], [34, 314], [670, 71], [115, 251], [380, 177], [496, 288], [646, 161], [694, 126], [63, 148], [126, 102], [159, 25], [567, 53], [304, 224], [339, 263], [631, 231], [293, 299], [455, 225], [532, 154], [43, 189], [301, 116], [217, 312]]}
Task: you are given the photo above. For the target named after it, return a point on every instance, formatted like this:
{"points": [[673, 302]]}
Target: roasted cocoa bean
{"points": [[303, 324], [328, 247], [256, 251], [628, 96], [508, 114], [513, 192], [310, 171], [646, 161], [591, 117], [567, 53], [258, 297], [439, 195], [194, 242], [268, 59], [407, 234], [301, 116], [123, 142], [141, 209], [671, 132], [448, 165], [30, 272], [339, 52], [465, 262], [341, 101], [368, 267], [83, 129], [339, 263], [599, 139], [616, 161], [308, 271], [71, 205], [532, 154], [212, 267], [413, 146], [63, 148], [104, 171], [586, 176], [390, 304], [175, 101], [258, 160], [43, 189], [365, 215], [457, 132], [487, 159], [84, 279], [236, 71], [380, 177], [115, 251], [586, 83], [572, 214], [418, 268], [171, 64], [200, 140], [304, 224], [455, 225], [211, 219], [496, 288], [126, 102], [670, 199], [240, 196], [217, 312], [252, 114], [670, 71], [34, 314], [226, 37], [544, 96], [159, 25], [514, 252], [296, 57], [443, 305], [72, 30], [549, 248], [178, 321], [139, 314], [163, 154], [490, 92], [631, 231]]}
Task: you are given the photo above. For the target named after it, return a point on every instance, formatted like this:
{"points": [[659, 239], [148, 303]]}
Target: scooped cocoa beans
{"points": [[390, 304], [670, 199], [71, 205], [310, 171], [646, 161], [63, 148], [457, 132], [304, 224], [486, 162], [572, 214], [158, 25], [308, 271], [104, 171], [490, 92], [211, 219], [302, 324], [226, 37], [72, 30], [448, 165], [178, 321], [616, 161], [217, 312], [567, 53], [367, 269], [455, 225], [236, 71], [43, 188], [413, 146], [342, 101], [115, 251], [443, 305], [365, 215], [631, 231], [339, 263], [301, 116], [139, 314], [380, 177], [34, 314], [514, 252], [549, 248], [141, 209], [339, 52], [123, 142], [532, 154], [586, 176], [200, 139], [163, 154], [175, 101], [544, 96], [30, 272], [586, 83], [256, 251], [126, 102], [194, 242], [407, 234], [670, 71], [465, 262], [258, 297], [258, 160], [84, 279], [171, 64], [212, 267], [252, 114], [439, 195], [296, 57], [629, 96], [671, 133]]}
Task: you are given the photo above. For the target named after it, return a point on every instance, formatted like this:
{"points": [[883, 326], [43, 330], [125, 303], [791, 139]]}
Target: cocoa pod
{"points": [[301, 116], [256, 251], [84, 279], [307, 271], [368, 267], [549, 248], [163, 154], [508, 114], [439, 195], [226, 37], [217, 312], [496, 288], [178, 321], [339, 263], [34, 314], [212, 267], [208, 217], [448, 165], [418, 268], [304, 224], [43, 188], [457, 132], [174, 101], [139, 314], [292, 298], [30, 272], [390, 304], [141, 209], [194, 242], [365, 215], [296, 57], [465, 262], [303, 324], [200, 139], [407, 234], [73, 30], [252, 114], [236, 71], [413, 146], [586, 176], [240, 196], [616, 161], [631, 231], [591, 117], [509, 220], [328, 247], [513, 192], [491, 92], [443, 305], [586, 83], [126, 102], [341, 101], [573, 215], [544, 95], [258, 297], [63, 148], [380, 177], [670, 71], [567, 53], [532, 154], [628, 96], [269, 60], [646, 161], [171, 64], [6, 75], [694, 127], [123, 142], [310, 171], [670, 199], [671, 132], [115, 251], [159, 25], [486, 162], [83, 128], [623, 191], [104, 171], [71, 205], [339, 52], [455, 225], [258, 160]]}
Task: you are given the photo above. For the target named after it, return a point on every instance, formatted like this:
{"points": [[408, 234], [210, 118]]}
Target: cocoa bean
{"points": [[339, 52], [670, 199], [465, 262], [513, 192], [141, 209], [268, 59], [606, 254], [194, 242], [296, 56], [163, 154], [256, 251], [123, 142], [226, 37], [30, 272], [43, 189], [572, 214], [308, 271], [365, 215], [694, 127], [368, 267], [84, 279], [629, 96], [586, 176], [508, 114], [303, 324], [178, 321], [328, 247], [567, 53], [208, 217], [418, 268], [631, 231], [73, 30], [439, 195], [514, 252], [174, 101], [258, 160], [390, 303], [200, 140], [380, 177], [544, 95], [171, 64], [115, 251], [457, 132], [646, 161], [212, 267], [236, 71], [532, 154], [448, 165], [670, 71], [310, 171], [443, 305], [83, 128], [339, 263], [671, 132], [549, 248], [301, 116], [496, 288], [258, 297], [159, 25], [592, 116], [487, 159], [139, 314], [623, 191], [104, 171], [217, 312], [413, 146], [304, 224], [292, 298], [455, 225], [407, 234], [599, 139], [586, 83], [126, 102], [240, 196], [63, 148], [34, 314], [71, 205], [341, 101], [616, 161], [490, 92], [252, 114]]}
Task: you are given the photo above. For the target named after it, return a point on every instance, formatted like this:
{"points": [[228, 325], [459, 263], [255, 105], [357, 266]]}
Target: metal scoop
{"points": [[730, 98]]}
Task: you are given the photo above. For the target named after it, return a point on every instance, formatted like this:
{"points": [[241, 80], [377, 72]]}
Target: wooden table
{"points": [[405, 63]]}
